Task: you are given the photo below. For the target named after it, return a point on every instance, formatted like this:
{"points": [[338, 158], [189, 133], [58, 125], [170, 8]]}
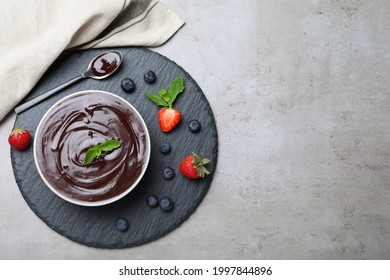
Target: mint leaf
{"points": [[176, 87], [109, 145], [164, 94], [92, 153], [165, 98], [156, 99], [97, 150]]}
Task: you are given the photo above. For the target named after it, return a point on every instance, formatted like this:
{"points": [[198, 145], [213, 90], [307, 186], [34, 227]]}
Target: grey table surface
{"points": [[300, 93]]}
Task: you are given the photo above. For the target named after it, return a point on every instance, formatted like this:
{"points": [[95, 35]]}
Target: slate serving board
{"points": [[96, 226]]}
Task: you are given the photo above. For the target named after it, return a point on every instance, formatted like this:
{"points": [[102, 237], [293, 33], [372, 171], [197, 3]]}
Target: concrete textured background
{"points": [[300, 91]]}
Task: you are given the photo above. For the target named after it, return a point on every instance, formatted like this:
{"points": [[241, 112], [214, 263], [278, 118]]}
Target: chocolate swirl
{"points": [[80, 122]]}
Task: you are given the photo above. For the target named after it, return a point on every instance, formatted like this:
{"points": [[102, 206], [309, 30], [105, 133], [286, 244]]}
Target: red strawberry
{"points": [[19, 139], [193, 166], [168, 118]]}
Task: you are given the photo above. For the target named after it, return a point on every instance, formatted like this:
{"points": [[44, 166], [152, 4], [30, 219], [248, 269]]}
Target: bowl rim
{"points": [[108, 200]]}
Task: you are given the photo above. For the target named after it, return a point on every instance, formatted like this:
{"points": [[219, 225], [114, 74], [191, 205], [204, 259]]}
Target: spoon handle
{"points": [[27, 105]]}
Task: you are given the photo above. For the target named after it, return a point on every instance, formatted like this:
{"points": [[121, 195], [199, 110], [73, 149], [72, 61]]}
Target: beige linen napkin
{"points": [[34, 33]]}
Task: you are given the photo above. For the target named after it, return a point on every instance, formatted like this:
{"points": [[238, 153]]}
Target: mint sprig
{"points": [[166, 97], [100, 149]]}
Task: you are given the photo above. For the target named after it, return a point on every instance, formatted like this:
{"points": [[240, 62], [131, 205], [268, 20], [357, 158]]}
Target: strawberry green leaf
{"points": [[157, 99], [176, 87], [109, 145], [199, 163]]}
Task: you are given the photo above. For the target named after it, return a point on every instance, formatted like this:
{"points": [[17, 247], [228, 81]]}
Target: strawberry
{"points": [[193, 166], [19, 139], [168, 117]]}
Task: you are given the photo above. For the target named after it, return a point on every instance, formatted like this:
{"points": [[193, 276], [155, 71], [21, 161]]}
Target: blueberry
{"points": [[168, 173], [152, 201], [165, 147], [150, 77], [122, 224], [166, 204], [194, 126], [128, 85]]}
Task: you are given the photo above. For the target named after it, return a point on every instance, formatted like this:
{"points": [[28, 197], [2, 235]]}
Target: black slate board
{"points": [[96, 226]]}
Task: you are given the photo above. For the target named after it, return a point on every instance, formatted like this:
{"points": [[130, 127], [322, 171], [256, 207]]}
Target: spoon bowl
{"points": [[100, 67], [103, 65]]}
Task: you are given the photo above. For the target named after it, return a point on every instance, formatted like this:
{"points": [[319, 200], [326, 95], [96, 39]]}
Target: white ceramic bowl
{"points": [[78, 122]]}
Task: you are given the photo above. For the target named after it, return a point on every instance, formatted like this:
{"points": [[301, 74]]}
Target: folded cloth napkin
{"points": [[34, 33]]}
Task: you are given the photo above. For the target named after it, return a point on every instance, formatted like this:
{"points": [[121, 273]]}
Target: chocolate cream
{"points": [[77, 124], [105, 64]]}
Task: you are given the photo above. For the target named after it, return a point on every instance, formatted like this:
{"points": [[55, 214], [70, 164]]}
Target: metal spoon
{"points": [[99, 68]]}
